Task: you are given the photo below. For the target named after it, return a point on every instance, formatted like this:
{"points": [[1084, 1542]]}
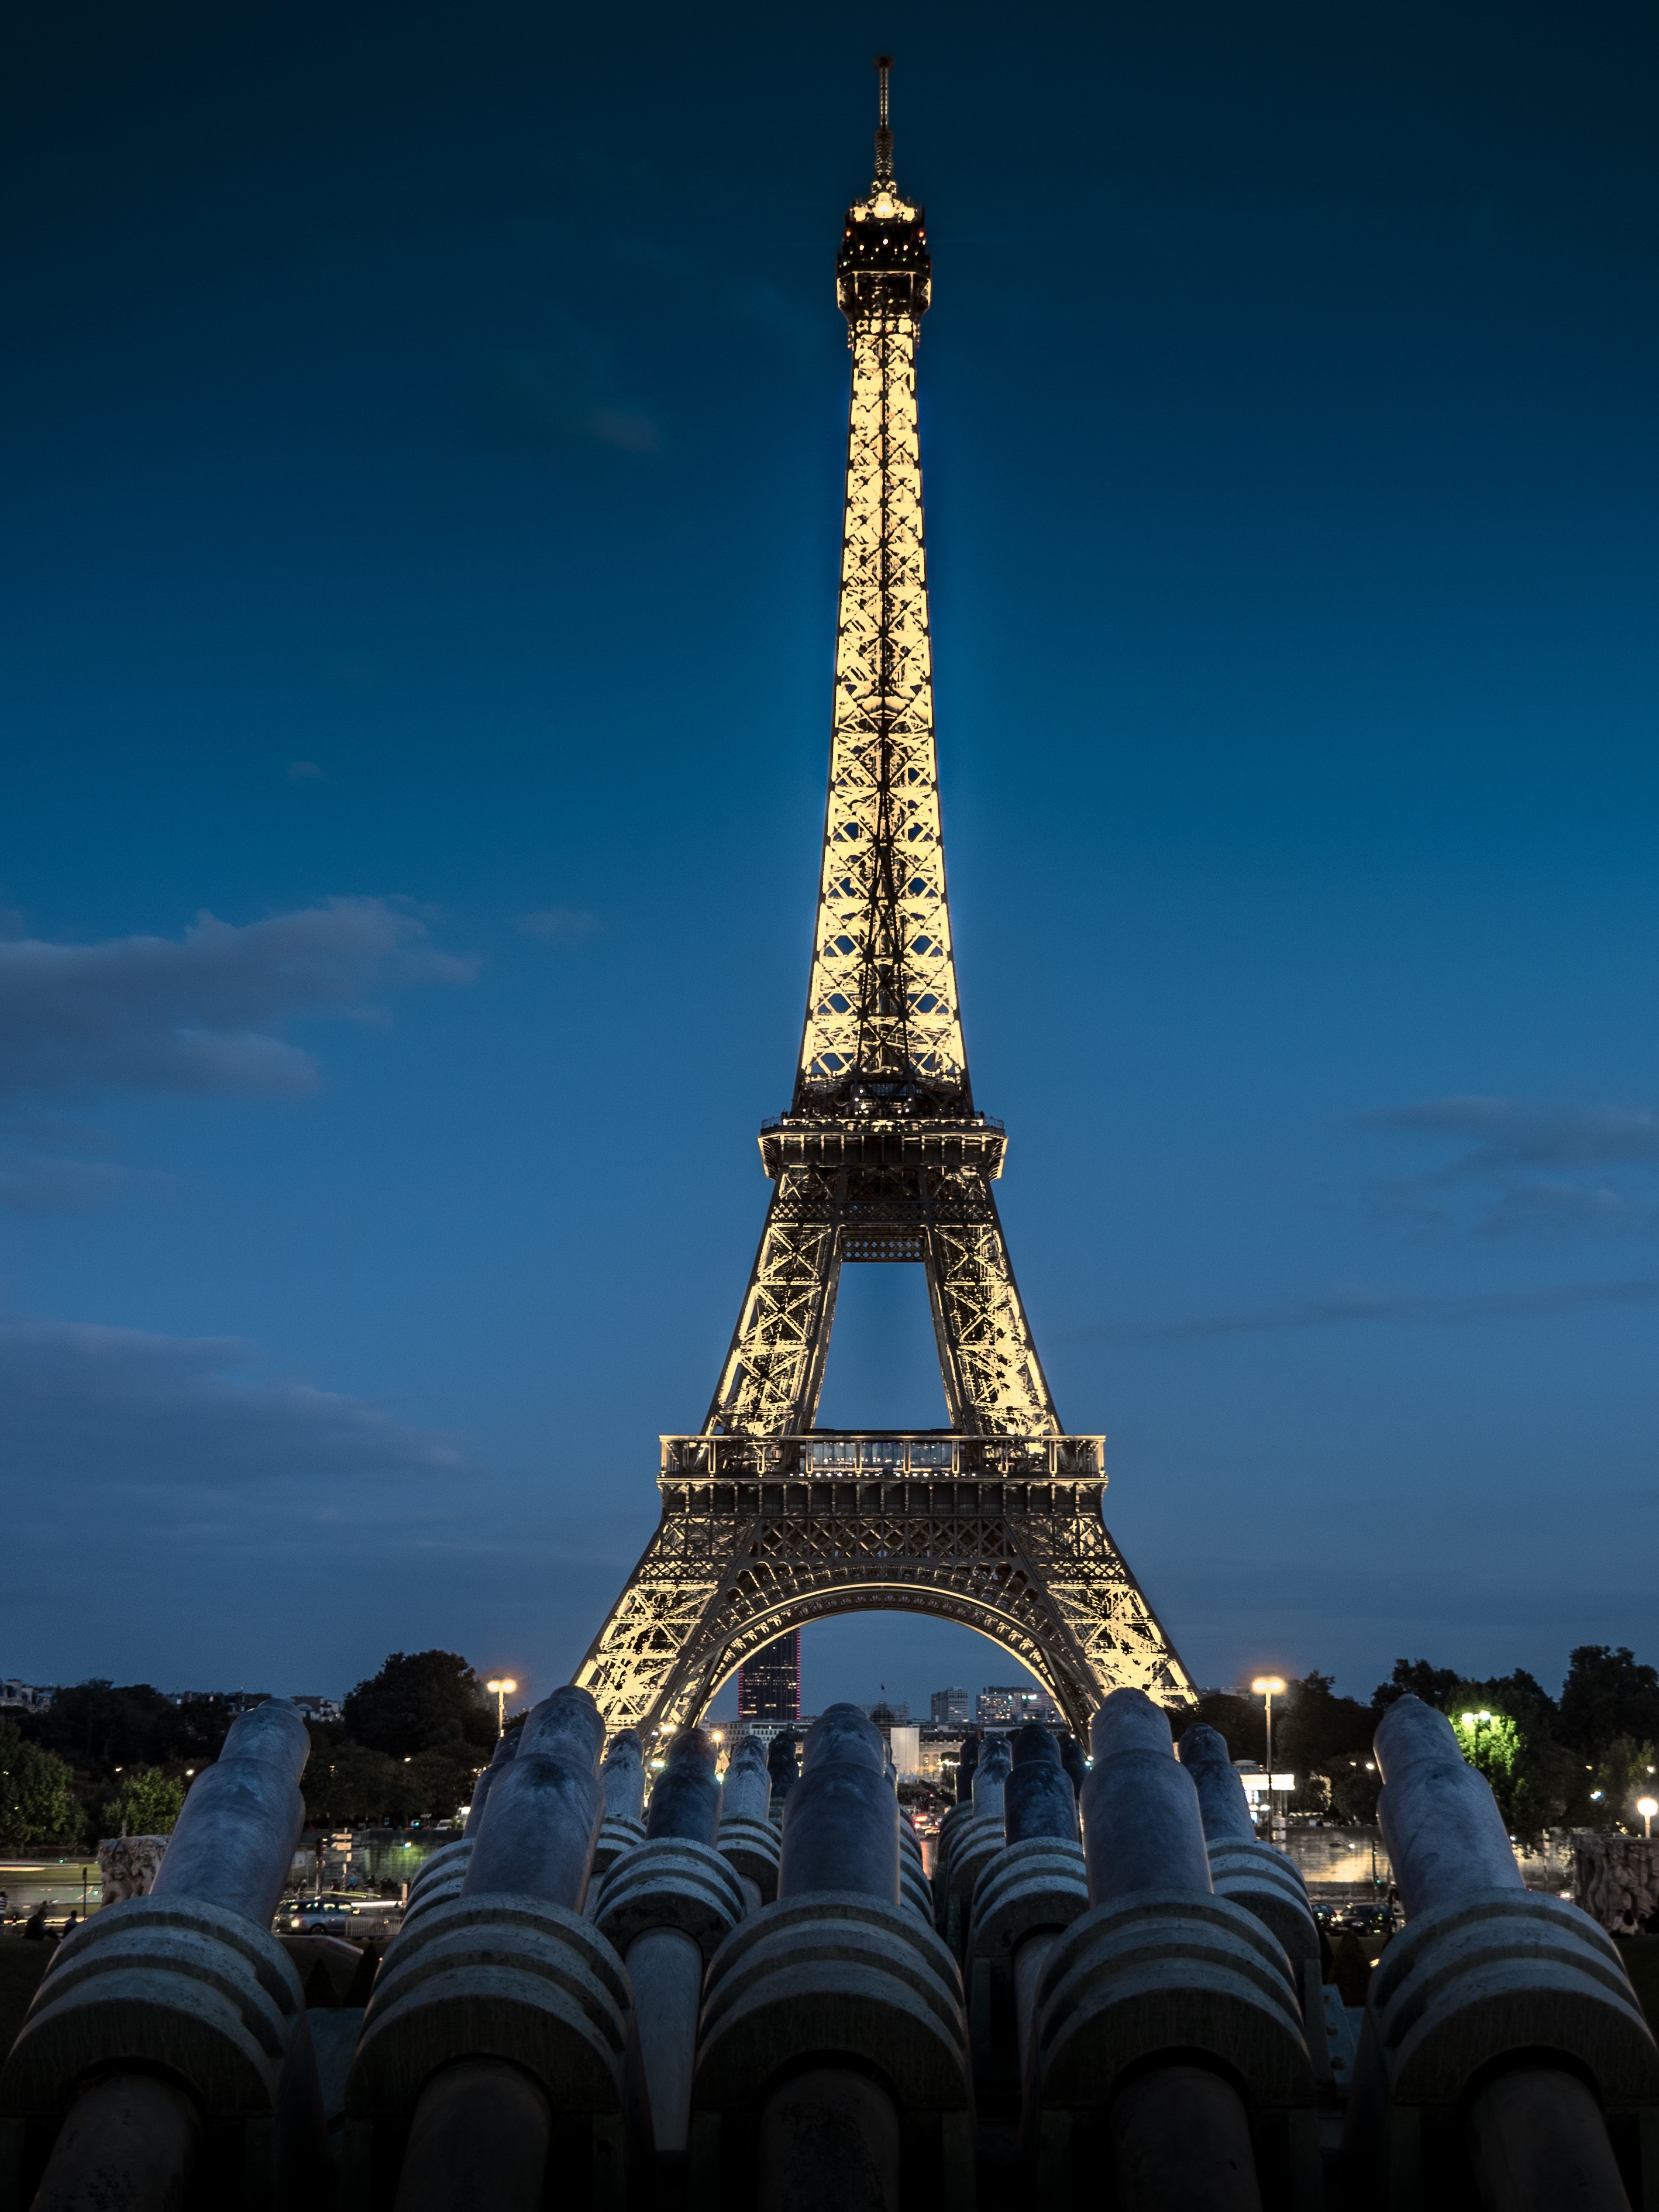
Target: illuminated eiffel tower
{"points": [[767, 1521]]}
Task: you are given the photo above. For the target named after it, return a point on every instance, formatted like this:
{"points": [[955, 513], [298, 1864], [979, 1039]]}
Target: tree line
{"points": [[1579, 1760], [109, 1760]]}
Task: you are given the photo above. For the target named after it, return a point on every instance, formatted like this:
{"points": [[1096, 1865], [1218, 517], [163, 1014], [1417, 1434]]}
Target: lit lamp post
{"points": [[1472, 1723], [1647, 1807], [1267, 1686], [500, 1687]]}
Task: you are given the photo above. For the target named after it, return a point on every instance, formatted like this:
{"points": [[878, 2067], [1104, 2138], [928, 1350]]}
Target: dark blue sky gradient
{"points": [[422, 433]]}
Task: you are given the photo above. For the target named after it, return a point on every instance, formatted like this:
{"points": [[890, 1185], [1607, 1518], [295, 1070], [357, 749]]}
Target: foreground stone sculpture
{"points": [[1027, 1896], [128, 1865], [493, 2046], [168, 2045], [1169, 2049], [1504, 2049], [681, 2043], [666, 1906], [832, 2067]]}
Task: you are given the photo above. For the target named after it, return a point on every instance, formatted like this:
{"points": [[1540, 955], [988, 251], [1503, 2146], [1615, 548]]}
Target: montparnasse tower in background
{"points": [[767, 1521]]}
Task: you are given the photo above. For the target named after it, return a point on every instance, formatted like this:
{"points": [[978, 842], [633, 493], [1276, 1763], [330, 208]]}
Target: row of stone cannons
{"points": [[749, 1998]]}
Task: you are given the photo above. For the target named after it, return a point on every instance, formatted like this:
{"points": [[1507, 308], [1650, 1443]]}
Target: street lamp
{"points": [[1266, 1687], [500, 1687], [1647, 1807], [1269, 1686]]}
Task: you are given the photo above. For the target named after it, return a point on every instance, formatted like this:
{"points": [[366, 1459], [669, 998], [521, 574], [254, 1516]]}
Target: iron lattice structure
{"points": [[767, 1523]]}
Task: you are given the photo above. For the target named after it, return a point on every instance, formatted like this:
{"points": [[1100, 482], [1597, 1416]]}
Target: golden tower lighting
{"points": [[767, 1521]]}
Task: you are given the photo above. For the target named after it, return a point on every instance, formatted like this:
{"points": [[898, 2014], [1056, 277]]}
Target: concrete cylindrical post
{"points": [[542, 1815], [234, 1841], [746, 1837], [1037, 1798], [991, 1777], [621, 1777], [1141, 1825], [1165, 2007], [686, 1798], [783, 1765], [668, 1906], [1439, 1818], [506, 1748], [499, 2008], [1253, 1874], [187, 1982], [1026, 1897], [967, 1763], [1497, 2015], [841, 1822], [1071, 1758], [821, 2005]]}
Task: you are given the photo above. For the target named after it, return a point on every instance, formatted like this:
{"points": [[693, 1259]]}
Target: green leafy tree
{"points": [[148, 1803], [445, 1779], [1415, 1678], [418, 1701], [37, 1803], [1238, 1719], [100, 1726], [1624, 1771], [1608, 1694], [347, 1783]]}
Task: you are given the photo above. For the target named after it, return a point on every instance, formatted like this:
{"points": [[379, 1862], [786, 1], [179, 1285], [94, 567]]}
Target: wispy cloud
{"points": [[129, 1410], [558, 924], [199, 1014], [306, 772], [1527, 1166], [1349, 1303]]}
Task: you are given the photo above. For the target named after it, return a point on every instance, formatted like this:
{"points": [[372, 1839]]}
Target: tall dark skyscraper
{"points": [[769, 1685]]}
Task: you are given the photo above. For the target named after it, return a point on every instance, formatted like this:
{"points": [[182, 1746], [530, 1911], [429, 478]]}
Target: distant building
{"points": [[769, 1685], [317, 1708], [24, 1697], [886, 1711], [950, 1708], [232, 1702], [1013, 1707]]}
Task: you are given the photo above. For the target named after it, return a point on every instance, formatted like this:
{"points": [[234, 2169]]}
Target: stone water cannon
{"points": [[1251, 1873], [440, 1876], [621, 1780], [746, 1840], [166, 2051], [974, 1843], [914, 1888], [666, 1906], [1169, 2053], [1502, 2045], [783, 1765], [493, 2050], [832, 2067], [1026, 1900]]}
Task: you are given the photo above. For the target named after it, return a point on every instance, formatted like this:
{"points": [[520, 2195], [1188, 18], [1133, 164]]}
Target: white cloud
{"points": [[126, 1410], [198, 1014], [1530, 1167]]}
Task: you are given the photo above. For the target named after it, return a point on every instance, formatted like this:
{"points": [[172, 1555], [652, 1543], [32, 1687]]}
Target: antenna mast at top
{"points": [[884, 136]]}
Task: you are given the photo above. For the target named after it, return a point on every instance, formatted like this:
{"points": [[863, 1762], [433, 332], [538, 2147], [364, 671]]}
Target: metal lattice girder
{"points": [[882, 1156], [1030, 1564]]}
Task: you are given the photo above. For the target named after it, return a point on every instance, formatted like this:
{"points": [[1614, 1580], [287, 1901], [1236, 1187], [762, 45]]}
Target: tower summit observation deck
{"points": [[767, 1521]]}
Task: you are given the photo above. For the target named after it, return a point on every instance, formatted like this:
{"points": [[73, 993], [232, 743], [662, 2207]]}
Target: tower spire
{"points": [[883, 135], [882, 1155]]}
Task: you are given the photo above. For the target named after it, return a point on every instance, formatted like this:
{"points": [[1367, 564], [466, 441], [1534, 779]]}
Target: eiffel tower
{"points": [[768, 1521]]}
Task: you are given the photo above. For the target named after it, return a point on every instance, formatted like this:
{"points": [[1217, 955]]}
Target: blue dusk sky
{"points": [[422, 433]]}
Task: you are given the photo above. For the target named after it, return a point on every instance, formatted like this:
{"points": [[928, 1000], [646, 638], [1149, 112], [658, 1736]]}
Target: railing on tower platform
{"points": [[854, 1454]]}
